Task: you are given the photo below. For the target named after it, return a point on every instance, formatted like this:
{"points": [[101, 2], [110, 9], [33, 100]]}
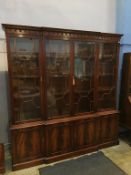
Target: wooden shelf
{"points": [[53, 75], [27, 95], [106, 89], [106, 74], [108, 56], [24, 77], [85, 57], [24, 53]]}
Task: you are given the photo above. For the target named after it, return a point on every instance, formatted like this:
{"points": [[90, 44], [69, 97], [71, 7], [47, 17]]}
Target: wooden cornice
{"points": [[51, 29]]}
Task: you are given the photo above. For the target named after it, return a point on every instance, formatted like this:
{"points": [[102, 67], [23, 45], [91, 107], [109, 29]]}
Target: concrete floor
{"points": [[120, 155]]}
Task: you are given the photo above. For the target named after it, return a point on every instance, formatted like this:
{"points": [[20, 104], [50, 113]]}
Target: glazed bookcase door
{"points": [[25, 81], [83, 80], [57, 78], [107, 76]]}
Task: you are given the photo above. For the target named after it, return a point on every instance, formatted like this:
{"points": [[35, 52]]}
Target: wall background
{"points": [[97, 15], [123, 25], [91, 15]]}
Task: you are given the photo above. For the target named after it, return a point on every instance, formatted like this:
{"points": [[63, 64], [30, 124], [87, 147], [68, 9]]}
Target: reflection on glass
{"points": [[107, 65], [25, 78], [57, 72], [83, 77]]}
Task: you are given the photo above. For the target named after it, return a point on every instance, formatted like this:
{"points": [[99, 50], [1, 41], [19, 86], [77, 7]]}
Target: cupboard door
{"points": [[107, 64], [86, 133], [57, 78], [25, 78], [59, 139], [83, 80], [109, 128], [26, 144]]}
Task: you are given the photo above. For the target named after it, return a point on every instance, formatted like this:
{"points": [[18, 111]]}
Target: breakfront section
{"points": [[24, 56], [83, 77], [125, 100], [107, 66], [57, 66], [62, 92], [69, 77], [25, 77]]}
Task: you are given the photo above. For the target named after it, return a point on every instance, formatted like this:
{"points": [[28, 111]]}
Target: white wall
{"points": [[92, 15], [97, 15]]}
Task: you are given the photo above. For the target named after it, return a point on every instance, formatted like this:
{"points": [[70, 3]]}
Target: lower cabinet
{"points": [[108, 128], [86, 133], [59, 139], [80, 136], [26, 147]]}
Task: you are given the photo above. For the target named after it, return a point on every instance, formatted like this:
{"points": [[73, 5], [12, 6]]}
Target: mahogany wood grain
{"points": [[2, 159], [125, 95]]}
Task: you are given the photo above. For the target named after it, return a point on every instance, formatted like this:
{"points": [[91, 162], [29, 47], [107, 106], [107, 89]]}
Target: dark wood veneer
{"points": [[2, 159], [49, 138], [125, 100]]}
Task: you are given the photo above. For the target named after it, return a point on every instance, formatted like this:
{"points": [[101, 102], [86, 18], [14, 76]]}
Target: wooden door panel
{"points": [[93, 130], [58, 139], [26, 145], [109, 128], [113, 127], [86, 133], [53, 139], [79, 134], [104, 132]]}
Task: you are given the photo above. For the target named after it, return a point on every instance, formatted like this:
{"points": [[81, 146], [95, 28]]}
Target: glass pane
{"points": [[25, 78], [107, 82], [83, 77], [57, 72]]}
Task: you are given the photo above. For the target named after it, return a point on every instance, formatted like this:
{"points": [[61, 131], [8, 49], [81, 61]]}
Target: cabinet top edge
{"points": [[127, 53], [52, 29], [64, 120]]}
